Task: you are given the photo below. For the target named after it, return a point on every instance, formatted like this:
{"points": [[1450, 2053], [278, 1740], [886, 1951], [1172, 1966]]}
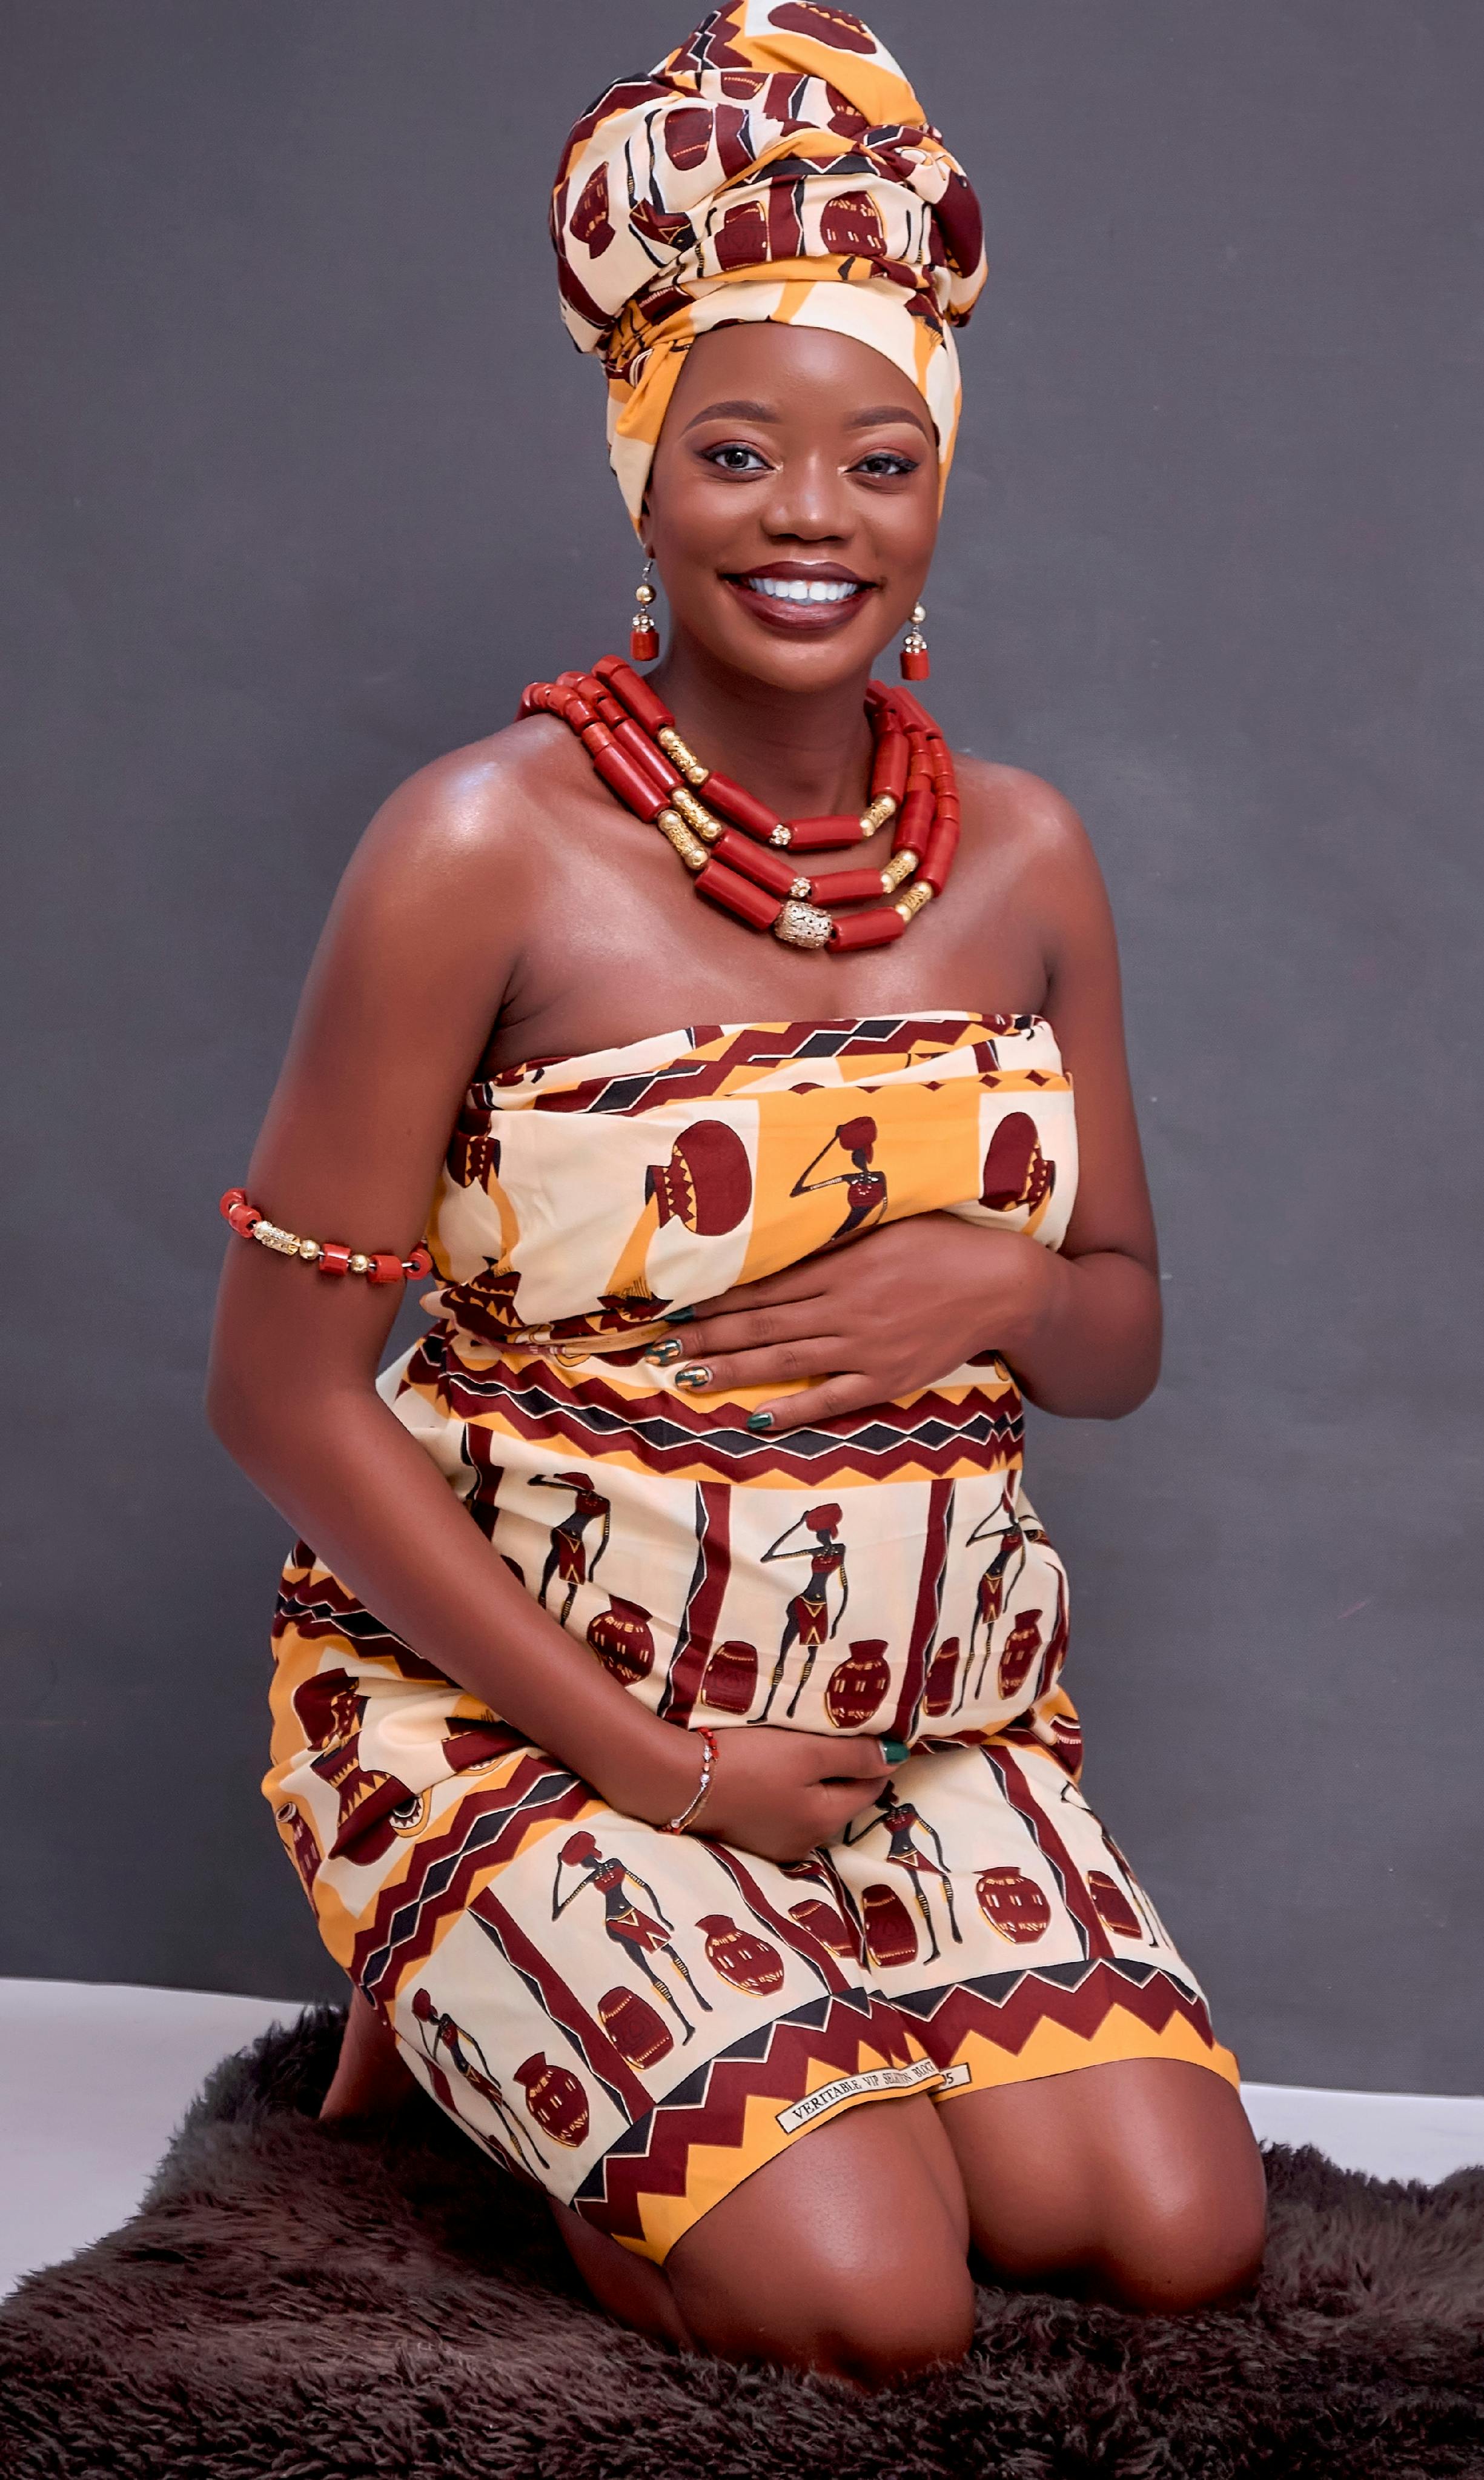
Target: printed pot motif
{"points": [[622, 1640], [890, 1934], [729, 1681], [739, 1958], [1113, 1909], [857, 1685], [1013, 1904], [826, 1925], [942, 1671], [1021, 1648], [555, 2099], [634, 2028]]}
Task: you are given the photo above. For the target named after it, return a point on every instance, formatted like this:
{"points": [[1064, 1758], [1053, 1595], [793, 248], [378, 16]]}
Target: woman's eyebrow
{"points": [[876, 413], [736, 408]]}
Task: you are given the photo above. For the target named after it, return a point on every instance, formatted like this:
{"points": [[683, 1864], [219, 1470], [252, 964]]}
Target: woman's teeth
{"points": [[795, 589]]}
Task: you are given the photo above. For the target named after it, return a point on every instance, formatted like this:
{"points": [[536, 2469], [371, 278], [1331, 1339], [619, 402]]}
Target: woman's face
{"points": [[792, 460]]}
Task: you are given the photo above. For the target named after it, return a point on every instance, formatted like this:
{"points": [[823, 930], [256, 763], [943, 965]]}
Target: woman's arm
{"points": [[901, 1306], [409, 976], [420, 946]]}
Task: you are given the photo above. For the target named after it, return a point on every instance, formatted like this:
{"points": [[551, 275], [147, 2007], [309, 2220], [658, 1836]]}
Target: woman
{"points": [[868, 1975]]}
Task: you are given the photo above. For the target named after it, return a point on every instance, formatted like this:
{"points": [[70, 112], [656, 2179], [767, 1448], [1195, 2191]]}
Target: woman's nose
{"points": [[809, 502]]}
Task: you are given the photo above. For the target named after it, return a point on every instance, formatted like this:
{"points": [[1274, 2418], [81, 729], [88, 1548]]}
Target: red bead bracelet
{"points": [[250, 1223]]}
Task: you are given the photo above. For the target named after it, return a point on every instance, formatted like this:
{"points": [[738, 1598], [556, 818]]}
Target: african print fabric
{"points": [[638, 2021], [776, 165]]}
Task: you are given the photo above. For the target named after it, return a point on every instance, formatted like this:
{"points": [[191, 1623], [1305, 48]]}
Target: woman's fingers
{"points": [[854, 1757], [851, 1392], [846, 1800], [802, 1283], [781, 1364], [749, 1327]]}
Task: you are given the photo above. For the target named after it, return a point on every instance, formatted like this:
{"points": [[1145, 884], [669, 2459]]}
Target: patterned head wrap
{"points": [[777, 165]]}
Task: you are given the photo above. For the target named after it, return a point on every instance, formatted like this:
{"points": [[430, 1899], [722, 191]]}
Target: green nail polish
{"points": [[895, 1752], [759, 1420], [678, 1317], [696, 1376], [670, 1350]]}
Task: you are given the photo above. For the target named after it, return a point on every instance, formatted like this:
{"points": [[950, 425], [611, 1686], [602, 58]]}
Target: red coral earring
{"points": [[643, 635], [915, 665]]}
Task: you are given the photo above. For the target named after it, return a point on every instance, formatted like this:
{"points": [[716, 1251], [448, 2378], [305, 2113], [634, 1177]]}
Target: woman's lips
{"points": [[787, 611]]}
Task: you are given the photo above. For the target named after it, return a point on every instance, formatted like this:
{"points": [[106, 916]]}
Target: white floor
{"points": [[93, 2082]]}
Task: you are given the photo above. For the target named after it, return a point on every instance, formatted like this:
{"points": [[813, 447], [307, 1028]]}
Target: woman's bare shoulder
{"points": [[474, 807], [1024, 826]]}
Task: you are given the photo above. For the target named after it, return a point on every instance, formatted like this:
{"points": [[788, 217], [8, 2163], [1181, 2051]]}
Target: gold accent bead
{"points": [[911, 903], [695, 814], [900, 866], [879, 813], [681, 755], [309, 1250], [672, 827], [782, 836], [801, 889], [359, 1264], [644, 596], [802, 925], [273, 1236]]}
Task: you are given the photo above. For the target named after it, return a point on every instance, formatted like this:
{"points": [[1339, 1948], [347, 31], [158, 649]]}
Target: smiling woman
{"points": [[834, 466], [669, 1721]]}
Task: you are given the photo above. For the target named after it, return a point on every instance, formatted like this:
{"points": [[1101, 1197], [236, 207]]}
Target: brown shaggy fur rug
{"points": [[293, 2303]]}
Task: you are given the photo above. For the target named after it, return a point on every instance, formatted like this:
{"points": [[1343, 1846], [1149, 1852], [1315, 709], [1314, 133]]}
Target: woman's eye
{"points": [[732, 457], [885, 464]]}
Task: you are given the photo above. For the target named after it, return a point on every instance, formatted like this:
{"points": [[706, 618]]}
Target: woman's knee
{"points": [[874, 2324], [1186, 2246]]}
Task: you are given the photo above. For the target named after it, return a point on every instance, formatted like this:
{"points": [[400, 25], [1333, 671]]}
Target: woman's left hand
{"points": [[869, 1322]]}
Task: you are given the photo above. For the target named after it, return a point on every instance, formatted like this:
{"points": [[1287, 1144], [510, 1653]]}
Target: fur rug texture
{"points": [[296, 2303]]}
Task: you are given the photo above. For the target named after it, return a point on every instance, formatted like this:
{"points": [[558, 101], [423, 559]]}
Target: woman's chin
{"points": [[788, 655]]}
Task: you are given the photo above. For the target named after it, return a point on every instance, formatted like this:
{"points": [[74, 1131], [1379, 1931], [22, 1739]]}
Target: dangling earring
{"points": [[915, 665], [643, 635]]}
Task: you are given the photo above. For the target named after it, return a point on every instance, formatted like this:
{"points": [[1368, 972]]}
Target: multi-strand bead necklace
{"points": [[733, 844]]}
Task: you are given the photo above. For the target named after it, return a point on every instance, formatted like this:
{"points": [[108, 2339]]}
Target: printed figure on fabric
{"points": [[566, 1558], [902, 1824], [866, 1189], [639, 1933], [441, 2037], [809, 1622]]}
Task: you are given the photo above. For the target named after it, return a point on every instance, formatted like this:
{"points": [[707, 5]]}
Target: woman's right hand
{"points": [[780, 1793]]}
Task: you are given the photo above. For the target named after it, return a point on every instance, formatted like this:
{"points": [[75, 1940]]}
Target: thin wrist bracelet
{"points": [[694, 1807], [330, 1257]]}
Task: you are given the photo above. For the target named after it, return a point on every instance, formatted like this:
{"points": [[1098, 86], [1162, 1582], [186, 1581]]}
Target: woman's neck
{"points": [[805, 754]]}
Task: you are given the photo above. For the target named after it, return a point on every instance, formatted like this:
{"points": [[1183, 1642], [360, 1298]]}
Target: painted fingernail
{"points": [[670, 1350], [895, 1752], [759, 1420], [694, 1375], [678, 1317]]}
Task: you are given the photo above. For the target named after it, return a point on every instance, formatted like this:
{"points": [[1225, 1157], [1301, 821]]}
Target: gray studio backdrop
{"points": [[302, 481]]}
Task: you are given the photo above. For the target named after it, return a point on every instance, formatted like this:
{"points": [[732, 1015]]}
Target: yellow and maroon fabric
{"points": [[639, 2021], [776, 165]]}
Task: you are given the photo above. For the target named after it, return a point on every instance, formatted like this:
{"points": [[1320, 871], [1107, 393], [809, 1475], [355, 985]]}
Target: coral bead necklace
{"points": [[738, 851]]}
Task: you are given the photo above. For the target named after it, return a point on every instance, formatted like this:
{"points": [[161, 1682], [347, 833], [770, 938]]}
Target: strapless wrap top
{"points": [[880, 1571]]}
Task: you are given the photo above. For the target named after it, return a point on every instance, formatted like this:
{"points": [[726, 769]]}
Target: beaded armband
{"points": [[329, 1256]]}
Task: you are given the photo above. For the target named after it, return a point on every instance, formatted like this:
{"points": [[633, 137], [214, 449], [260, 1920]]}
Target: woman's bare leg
{"points": [[1140, 2179], [848, 2254], [370, 2077]]}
